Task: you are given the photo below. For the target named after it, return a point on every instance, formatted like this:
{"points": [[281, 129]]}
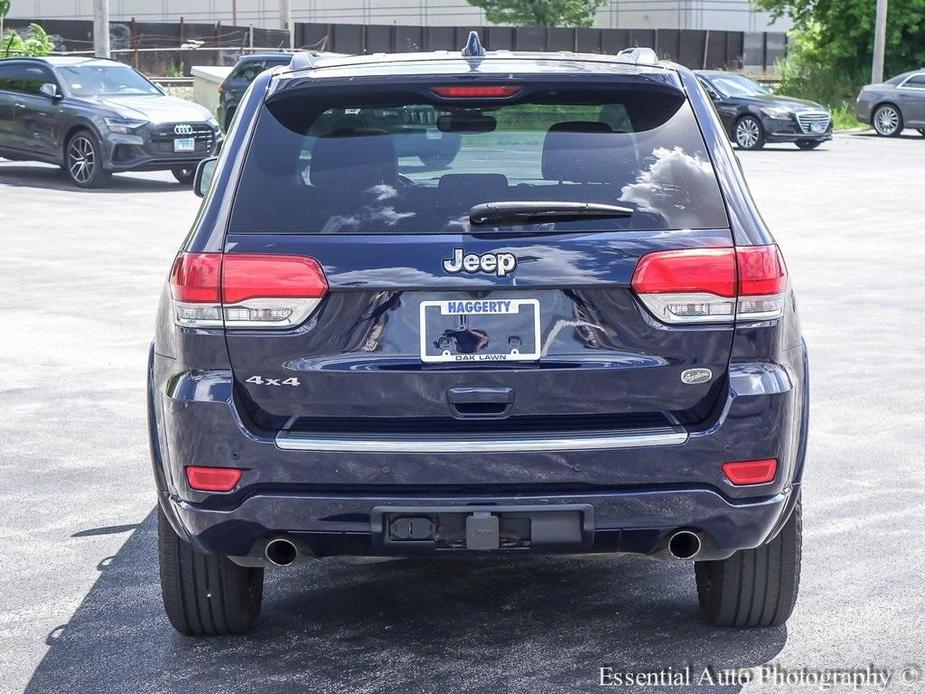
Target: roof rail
{"points": [[303, 60], [639, 55]]}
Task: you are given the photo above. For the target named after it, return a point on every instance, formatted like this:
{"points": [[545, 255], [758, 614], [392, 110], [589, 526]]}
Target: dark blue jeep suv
{"points": [[577, 337]]}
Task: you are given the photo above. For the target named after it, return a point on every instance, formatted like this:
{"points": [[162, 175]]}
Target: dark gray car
{"points": [[97, 117], [240, 78], [895, 104]]}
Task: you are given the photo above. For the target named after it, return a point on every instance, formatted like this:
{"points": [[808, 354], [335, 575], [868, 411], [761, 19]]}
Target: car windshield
{"points": [[97, 80], [736, 85], [414, 163]]}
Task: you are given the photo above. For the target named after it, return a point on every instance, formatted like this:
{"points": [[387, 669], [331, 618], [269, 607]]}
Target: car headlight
{"points": [[776, 112], [124, 126]]}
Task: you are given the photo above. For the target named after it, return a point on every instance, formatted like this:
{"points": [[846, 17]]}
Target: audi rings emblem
{"points": [[183, 129]]}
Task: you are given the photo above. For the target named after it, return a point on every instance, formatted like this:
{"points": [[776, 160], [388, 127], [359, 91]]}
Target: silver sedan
{"points": [[897, 103]]}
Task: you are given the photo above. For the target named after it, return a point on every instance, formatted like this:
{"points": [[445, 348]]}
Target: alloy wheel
{"points": [[747, 133], [81, 159], [886, 121]]}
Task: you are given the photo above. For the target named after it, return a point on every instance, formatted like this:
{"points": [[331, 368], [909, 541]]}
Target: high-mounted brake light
{"points": [[213, 479], [470, 91], [238, 290], [712, 285], [751, 471]]}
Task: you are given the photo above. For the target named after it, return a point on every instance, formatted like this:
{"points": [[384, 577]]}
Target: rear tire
{"points": [[808, 144], [205, 594], [184, 175], [754, 587]]}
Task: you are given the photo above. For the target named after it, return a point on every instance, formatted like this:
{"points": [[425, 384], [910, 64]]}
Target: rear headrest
{"points": [[470, 189], [581, 151], [353, 158]]}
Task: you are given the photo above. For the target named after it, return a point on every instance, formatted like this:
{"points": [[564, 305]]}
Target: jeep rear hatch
{"points": [[429, 322]]}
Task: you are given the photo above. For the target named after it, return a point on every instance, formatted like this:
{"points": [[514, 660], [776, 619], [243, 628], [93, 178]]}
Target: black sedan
{"points": [[753, 115]]}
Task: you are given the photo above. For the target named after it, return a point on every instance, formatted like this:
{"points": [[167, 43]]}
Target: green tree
{"points": [[4, 10], [34, 42], [833, 43], [548, 13]]}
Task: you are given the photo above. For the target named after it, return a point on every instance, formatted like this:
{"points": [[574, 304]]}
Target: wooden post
{"points": [[134, 42]]}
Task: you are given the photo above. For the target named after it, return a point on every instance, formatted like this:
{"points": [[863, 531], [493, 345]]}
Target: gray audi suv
{"points": [[97, 117], [895, 104]]}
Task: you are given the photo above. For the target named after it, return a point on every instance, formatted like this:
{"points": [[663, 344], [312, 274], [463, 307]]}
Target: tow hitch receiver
{"points": [[483, 531], [413, 530]]}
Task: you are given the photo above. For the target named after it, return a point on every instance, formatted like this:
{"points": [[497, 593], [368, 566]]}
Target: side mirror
{"points": [[50, 90], [203, 178]]}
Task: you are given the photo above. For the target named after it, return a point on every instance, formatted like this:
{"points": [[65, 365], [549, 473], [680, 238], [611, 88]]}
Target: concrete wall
{"points": [[729, 15]]}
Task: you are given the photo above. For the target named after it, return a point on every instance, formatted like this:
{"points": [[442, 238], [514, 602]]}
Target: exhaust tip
{"points": [[281, 552], [684, 544]]}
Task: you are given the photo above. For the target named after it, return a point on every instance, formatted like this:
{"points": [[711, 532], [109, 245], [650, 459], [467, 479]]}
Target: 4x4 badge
{"points": [[499, 264]]}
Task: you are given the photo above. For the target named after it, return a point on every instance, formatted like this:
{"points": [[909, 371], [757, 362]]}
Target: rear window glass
{"points": [[417, 165]]}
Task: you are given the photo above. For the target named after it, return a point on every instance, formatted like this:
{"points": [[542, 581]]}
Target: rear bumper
{"points": [[325, 497], [639, 521]]}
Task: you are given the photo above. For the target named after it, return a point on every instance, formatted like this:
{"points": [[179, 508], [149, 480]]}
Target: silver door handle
{"points": [[19, 105]]}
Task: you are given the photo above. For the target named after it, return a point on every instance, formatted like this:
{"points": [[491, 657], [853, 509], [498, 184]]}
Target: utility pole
{"points": [[285, 20], [101, 28], [876, 73]]}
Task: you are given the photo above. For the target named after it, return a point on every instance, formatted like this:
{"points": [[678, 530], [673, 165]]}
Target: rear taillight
{"points": [[237, 290], [195, 284], [712, 285]]}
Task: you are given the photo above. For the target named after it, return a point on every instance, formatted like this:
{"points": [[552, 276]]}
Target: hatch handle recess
{"points": [[473, 403]]}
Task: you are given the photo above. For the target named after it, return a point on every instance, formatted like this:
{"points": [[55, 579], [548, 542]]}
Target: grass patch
{"points": [[844, 118]]}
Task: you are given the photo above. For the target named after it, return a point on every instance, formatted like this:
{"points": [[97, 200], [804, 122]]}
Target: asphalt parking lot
{"points": [[80, 607]]}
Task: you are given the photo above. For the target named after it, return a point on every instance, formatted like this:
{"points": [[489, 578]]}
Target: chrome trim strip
{"points": [[804, 118], [902, 85], [637, 438]]}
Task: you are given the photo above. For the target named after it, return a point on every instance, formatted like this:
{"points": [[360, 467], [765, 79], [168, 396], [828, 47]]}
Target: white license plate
{"points": [[477, 330], [815, 127], [184, 144]]}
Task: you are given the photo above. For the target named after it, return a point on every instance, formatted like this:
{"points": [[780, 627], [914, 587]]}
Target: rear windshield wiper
{"points": [[516, 212]]}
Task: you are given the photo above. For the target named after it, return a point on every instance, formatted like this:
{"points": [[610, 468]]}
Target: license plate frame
{"points": [[184, 144], [481, 309]]}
